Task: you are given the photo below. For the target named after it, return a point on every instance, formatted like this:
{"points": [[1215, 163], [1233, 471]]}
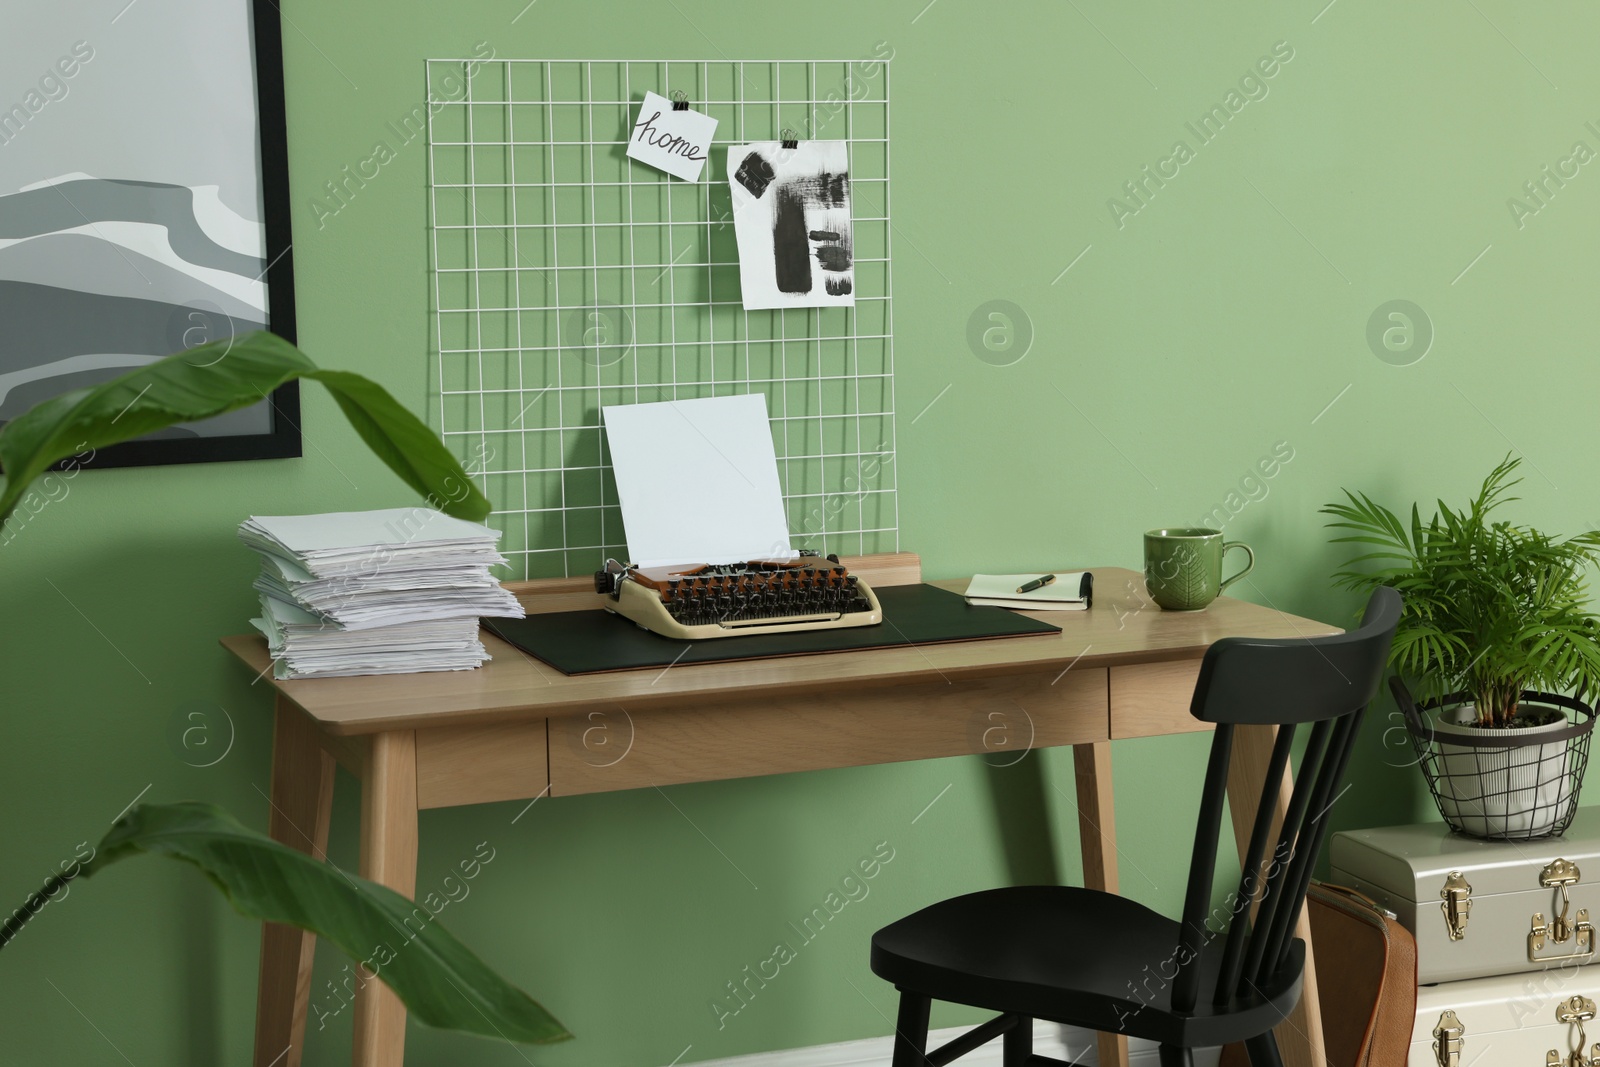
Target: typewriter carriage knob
{"points": [[609, 578]]}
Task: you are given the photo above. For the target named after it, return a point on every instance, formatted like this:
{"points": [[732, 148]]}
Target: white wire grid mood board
{"points": [[567, 277]]}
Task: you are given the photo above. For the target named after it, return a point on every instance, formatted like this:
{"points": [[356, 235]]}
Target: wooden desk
{"points": [[515, 729]]}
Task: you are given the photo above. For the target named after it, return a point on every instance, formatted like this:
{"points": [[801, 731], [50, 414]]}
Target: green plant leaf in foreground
{"points": [[440, 980], [220, 377]]}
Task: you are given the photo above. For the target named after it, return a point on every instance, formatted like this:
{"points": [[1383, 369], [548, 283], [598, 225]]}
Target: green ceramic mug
{"points": [[1183, 566]]}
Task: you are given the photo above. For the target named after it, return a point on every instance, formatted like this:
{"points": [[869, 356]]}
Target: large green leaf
{"points": [[215, 378], [442, 983]]}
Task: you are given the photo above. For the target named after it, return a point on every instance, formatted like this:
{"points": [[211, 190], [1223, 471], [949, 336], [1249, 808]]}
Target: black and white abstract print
{"points": [[130, 199], [791, 215]]}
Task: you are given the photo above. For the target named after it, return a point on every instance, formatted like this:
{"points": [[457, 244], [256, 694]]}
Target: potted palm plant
{"points": [[1498, 643]]}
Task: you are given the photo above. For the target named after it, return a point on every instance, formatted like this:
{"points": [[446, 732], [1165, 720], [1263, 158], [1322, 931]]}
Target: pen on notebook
{"points": [[1037, 583]]}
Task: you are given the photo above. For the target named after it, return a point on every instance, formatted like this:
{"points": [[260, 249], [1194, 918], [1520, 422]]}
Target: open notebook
{"points": [[1071, 591]]}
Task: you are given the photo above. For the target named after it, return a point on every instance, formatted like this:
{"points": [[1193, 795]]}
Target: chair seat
{"points": [[1076, 956]]}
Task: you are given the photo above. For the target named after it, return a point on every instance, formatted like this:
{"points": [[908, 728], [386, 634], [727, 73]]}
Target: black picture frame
{"points": [[283, 441]]}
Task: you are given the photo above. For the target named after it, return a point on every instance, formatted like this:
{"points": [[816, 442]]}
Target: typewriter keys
{"points": [[725, 600]]}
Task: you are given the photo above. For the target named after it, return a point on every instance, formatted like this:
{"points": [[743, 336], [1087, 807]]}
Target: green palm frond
{"points": [[1491, 607]]}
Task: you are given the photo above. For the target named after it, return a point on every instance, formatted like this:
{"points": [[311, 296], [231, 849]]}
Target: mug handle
{"points": [[1249, 566]]}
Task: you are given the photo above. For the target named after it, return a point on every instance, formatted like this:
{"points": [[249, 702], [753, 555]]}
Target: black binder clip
{"points": [[791, 140], [680, 100]]}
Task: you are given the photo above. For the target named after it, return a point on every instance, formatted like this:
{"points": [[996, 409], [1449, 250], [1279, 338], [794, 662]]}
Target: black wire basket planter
{"points": [[1501, 785]]}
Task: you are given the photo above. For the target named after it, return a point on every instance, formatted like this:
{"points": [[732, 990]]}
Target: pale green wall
{"points": [[1220, 320]]}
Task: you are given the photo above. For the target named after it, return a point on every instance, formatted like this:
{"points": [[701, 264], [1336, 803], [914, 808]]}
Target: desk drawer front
{"points": [[481, 764], [1149, 699], [616, 749]]}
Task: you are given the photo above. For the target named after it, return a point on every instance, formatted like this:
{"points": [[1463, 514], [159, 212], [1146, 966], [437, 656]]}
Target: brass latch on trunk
{"points": [[1558, 875], [1448, 1039], [1575, 1011], [1457, 897]]}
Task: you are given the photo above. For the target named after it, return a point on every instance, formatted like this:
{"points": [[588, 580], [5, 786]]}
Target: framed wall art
{"points": [[144, 206]]}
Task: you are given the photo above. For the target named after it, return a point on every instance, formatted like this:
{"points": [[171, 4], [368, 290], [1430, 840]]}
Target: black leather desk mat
{"points": [[589, 642]]}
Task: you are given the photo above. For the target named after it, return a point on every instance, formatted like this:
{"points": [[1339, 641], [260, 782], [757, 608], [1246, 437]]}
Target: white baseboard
{"points": [[1066, 1043]]}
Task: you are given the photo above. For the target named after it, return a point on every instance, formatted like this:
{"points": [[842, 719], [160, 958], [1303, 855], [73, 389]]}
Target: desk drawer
{"points": [[740, 738], [1148, 699], [481, 764]]}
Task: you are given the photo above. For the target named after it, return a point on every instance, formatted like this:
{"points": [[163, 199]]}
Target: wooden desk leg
{"points": [[1097, 835], [302, 800], [388, 857], [1300, 1035]]}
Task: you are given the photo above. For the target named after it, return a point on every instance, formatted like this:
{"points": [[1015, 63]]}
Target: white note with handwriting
{"points": [[677, 142]]}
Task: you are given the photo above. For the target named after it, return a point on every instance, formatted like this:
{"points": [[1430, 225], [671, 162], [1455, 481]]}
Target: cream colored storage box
{"points": [[1481, 908], [1543, 1019]]}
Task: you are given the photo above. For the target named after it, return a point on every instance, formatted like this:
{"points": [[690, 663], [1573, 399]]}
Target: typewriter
{"points": [[763, 596]]}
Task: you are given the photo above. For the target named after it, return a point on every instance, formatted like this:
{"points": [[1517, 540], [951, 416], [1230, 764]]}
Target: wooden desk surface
{"points": [[1122, 627]]}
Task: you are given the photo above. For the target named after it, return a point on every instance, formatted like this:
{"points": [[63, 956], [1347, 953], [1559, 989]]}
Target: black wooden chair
{"points": [[1097, 960]]}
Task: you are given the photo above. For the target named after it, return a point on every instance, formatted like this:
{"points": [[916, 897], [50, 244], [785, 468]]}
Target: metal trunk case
{"points": [[1481, 908], [1544, 1019]]}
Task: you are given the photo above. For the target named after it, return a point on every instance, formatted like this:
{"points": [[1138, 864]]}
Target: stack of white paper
{"points": [[375, 592], [385, 599]]}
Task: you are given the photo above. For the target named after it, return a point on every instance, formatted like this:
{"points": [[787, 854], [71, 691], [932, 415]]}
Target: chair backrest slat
{"points": [[1202, 869], [1317, 833], [1274, 931], [1251, 870], [1283, 853], [1325, 681]]}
